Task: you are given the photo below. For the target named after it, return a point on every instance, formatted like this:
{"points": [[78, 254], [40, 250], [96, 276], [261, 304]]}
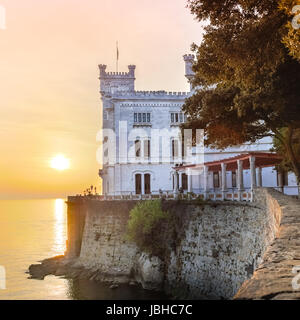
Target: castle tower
{"points": [[189, 60], [111, 82]]}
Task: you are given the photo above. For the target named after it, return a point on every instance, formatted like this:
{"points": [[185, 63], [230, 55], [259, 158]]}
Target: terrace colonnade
{"points": [[255, 161]]}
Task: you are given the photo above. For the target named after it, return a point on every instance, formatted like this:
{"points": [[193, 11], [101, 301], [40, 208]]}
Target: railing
{"points": [[289, 190], [211, 195]]}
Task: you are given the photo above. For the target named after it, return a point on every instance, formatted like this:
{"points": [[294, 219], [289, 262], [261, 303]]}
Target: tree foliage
{"points": [[147, 226], [286, 164], [248, 86], [292, 37]]}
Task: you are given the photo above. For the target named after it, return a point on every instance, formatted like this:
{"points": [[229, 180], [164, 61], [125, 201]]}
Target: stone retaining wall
{"points": [[221, 245]]}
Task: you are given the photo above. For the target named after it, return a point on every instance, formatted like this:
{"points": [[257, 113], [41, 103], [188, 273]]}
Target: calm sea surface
{"points": [[32, 230]]}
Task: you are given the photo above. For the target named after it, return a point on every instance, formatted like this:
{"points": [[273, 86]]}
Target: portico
{"points": [[213, 176]]}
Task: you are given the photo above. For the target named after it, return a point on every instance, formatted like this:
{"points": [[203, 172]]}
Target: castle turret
{"points": [[111, 82], [189, 60]]}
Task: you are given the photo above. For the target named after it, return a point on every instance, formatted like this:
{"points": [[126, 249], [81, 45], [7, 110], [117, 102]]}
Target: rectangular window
{"points": [[181, 117], [178, 117], [142, 117]]}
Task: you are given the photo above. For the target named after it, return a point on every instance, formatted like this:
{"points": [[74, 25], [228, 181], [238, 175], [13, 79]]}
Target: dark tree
{"points": [[248, 85]]}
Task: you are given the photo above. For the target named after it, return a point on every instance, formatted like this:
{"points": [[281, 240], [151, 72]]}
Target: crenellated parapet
{"points": [[116, 75], [151, 95], [111, 82]]}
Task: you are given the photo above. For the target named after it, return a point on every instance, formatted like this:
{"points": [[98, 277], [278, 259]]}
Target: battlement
{"points": [[111, 82], [189, 57], [151, 94], [117, 75], [122, 84]]}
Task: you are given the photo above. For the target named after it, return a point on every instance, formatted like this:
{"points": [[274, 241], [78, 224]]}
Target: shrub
{"points": [[147, 225]]}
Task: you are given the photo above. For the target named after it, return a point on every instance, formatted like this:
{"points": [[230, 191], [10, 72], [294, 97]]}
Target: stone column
{"points": [[253, 172], [206, 184], [180, 180], [190, 183], [142, 150], [223, 180], [240, 180], [259, 177], [175, 183], [143, 183]]}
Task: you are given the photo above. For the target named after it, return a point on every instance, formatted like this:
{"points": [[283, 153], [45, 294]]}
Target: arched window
{"points": [[147, 149], [137, 145], [138, 183], [147, 183]]}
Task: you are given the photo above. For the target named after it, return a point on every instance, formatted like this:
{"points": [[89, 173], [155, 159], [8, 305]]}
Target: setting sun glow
{"points": [[60, 162]]}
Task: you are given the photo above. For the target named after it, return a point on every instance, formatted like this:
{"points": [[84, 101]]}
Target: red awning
{"points": [[262, 160]]}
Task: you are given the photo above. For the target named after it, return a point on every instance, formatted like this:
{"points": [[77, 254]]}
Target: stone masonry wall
{"points": [[222, 246], [104, 246], [219, 248]]}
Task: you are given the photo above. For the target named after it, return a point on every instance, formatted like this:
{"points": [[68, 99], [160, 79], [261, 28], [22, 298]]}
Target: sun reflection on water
{"points": [[59, 246]]}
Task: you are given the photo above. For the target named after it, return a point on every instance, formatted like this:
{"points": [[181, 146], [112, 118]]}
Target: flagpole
{"points": [[117, 62]]}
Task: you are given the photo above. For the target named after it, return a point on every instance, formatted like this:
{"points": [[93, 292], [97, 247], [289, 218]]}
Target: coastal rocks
{"points": [[148, 271], [114, 286], [58, 266]]}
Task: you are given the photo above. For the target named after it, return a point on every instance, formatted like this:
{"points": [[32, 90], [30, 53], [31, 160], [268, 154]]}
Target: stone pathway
{"points": [[278, 277]]}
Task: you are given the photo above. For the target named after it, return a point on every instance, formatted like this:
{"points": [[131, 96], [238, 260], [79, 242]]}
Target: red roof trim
{"points": [[269, 157]]}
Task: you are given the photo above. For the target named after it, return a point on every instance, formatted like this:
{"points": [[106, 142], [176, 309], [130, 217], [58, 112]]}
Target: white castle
{"points": [[142, 149]]}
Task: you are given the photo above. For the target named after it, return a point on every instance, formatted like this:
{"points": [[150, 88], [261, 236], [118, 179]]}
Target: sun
{"points": [[60, 162]]}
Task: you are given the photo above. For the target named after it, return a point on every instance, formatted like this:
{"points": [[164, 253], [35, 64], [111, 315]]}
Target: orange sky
{"points": [[49, 101]]}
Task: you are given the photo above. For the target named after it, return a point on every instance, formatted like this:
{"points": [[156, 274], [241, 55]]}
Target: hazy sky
{"points": [[50, 101]]}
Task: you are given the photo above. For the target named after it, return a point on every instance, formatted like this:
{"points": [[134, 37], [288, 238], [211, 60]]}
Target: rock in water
{"points": [[114, 286]]}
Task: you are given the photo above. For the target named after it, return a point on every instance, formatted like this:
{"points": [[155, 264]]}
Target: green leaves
{"points": [[147, 226]]}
